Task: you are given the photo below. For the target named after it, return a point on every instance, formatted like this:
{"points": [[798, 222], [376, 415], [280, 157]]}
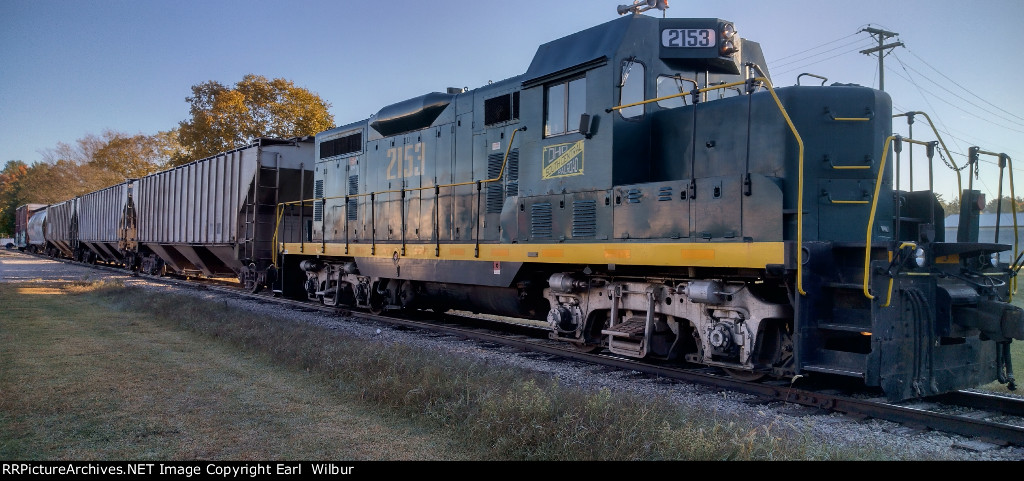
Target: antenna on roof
{"points": [[639, 6]]}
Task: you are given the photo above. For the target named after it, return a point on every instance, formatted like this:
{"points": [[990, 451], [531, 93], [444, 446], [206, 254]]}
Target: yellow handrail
{"points": [[800, 189], [683, 94], [888, 297], [871, 216], [279, 212]]}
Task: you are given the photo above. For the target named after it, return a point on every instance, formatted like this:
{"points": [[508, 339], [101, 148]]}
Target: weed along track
{"points": [[372, 351]]}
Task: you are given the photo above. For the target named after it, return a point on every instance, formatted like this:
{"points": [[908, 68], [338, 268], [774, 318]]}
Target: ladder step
{"points": [[844, 285], [625, 348], [832, 370], [632, 328], [843, 327]]}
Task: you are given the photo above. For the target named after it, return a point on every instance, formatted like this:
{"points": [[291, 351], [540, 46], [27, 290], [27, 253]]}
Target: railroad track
{"points": [[987, 417]]}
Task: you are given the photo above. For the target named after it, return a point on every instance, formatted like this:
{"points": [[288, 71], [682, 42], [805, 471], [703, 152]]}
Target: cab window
{"points": [[723, 93], [631, 88], [564, 103], [674, 84]]}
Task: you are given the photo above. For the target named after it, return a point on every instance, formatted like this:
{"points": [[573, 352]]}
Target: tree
{"points": [[1004, 204], [11, 194], [951, 207], [95, 162], [132, 156], [227, 118]]}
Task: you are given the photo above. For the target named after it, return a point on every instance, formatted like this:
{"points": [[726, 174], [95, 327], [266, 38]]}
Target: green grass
{"points": [[81, 379], [106, 372]]}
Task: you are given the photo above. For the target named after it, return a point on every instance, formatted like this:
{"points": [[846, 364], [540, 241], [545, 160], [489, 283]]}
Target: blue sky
{"points": [[71, 68]]}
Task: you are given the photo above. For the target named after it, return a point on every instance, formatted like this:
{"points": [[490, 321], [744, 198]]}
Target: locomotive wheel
{"points": [[584, 348], [748, 376], [376, 304]]}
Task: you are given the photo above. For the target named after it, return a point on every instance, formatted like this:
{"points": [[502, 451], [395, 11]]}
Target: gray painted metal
{"points": [[34, 230], [198, 202], [217, 214], [61, 226], [100, 220]]}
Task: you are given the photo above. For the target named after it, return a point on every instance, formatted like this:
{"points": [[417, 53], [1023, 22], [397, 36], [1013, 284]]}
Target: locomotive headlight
{"points": [[728, 31], [728, 48], [920, 258], [994, 259]]}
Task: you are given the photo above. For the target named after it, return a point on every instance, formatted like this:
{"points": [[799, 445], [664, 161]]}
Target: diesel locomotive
{"points": [[644, 188]]}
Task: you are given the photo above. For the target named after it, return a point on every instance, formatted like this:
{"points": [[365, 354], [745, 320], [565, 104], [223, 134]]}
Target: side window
{"points": [[671, 85], [631, 88], [724, 93], [565, 102]]}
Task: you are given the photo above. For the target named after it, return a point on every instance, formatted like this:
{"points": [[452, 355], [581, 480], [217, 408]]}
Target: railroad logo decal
{"points": [[562, 160]]}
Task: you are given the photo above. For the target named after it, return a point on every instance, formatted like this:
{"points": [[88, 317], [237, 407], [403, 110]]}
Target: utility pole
{"points": [[882, 36]]}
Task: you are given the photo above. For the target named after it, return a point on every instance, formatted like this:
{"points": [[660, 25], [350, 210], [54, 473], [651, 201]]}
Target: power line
{"points": [[855, 49], [905, 66], [812, 48], [952, 104], [858, 41], [960, 86]]}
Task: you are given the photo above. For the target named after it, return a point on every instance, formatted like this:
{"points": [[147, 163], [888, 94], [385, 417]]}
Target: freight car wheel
{"points": [[251, 279]]}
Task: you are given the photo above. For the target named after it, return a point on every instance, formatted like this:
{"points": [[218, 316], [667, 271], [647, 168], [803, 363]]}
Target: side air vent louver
{"points": [[495, 194], [318, 206], [584, 218], [353, 202], [512, 173], [540, 220]]}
